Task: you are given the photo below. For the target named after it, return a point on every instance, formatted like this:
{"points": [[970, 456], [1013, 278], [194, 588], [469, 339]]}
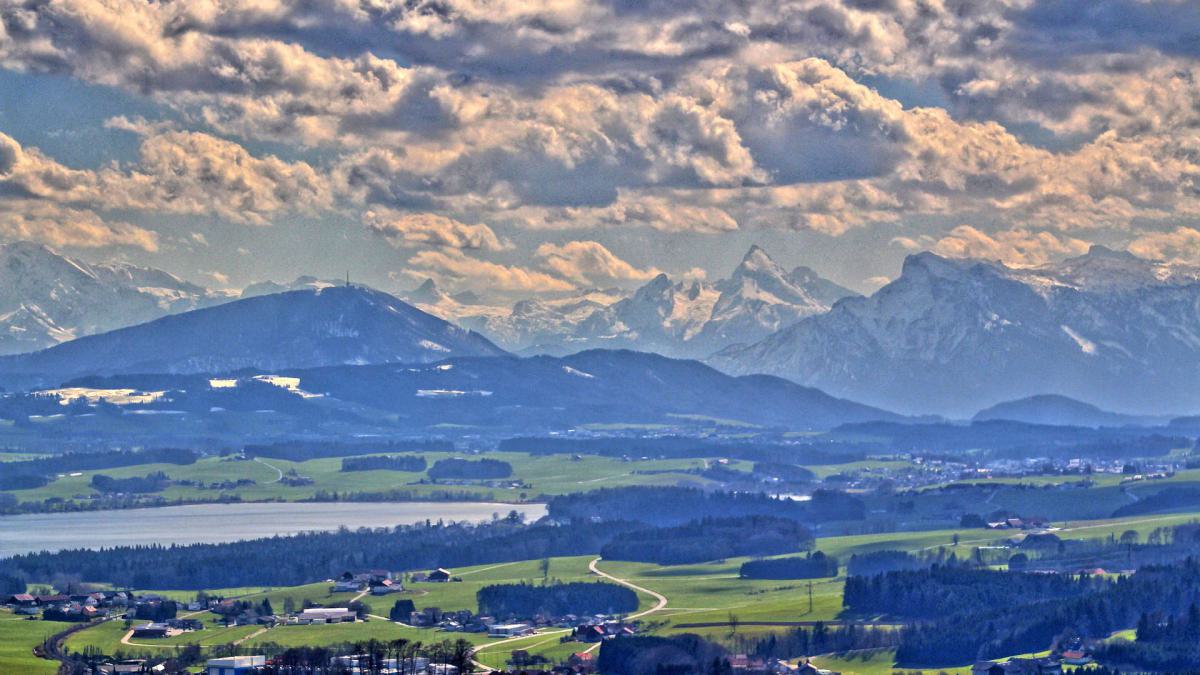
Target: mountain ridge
{"points": [[953, 336], [301, 328], [688, 318], [47, 298]]}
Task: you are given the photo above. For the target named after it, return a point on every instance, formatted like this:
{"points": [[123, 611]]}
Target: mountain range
{"points": [[684, 318], [525, 394], [293, 329], [952, 336], [947, 336], [47, 298]]}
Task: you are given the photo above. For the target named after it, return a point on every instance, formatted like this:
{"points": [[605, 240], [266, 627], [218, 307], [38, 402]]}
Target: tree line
{"points": [[709, 539], [300, 559], [478, 469], [302, 451], [677, 505], [35, 473], [681, 447], [815, 565], [685, 654], [414, 463], [156, 481], [526, 601]]}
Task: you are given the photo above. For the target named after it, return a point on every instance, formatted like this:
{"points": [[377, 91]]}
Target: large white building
{"points": [[235, 665], [502, 630], [327, 615]]}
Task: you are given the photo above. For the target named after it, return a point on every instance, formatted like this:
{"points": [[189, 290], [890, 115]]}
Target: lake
{"points": [[211, 523]]}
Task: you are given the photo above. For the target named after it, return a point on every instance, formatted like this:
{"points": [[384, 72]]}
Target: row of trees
{"points": [[815, 453], [151, 482], [818, 639], [295, 560], [35, 473], [944, 590], [479, 469], [525, 601], [414, 463], [710, 539], [302, 451], [650, 655], [815, 565], [676, 505]]}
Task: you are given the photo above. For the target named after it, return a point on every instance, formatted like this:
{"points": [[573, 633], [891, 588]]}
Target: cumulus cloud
{"points": [[409, 230], [434, 117], [176, 172], [589, 262], [668, 213], [1181, 245], [63, 226], [1017, 248], [456, 269]]}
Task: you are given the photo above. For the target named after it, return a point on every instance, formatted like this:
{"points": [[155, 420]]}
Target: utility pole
{"points": [[810, 606]]}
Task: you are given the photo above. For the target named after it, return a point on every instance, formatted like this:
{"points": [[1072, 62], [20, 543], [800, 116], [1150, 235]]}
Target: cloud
{"points": [[1020, 248], [411, 230], [441, 119], [590, 263], [176, 172], [1181, 245], [456, 269], [669, 213], [63, 226]]}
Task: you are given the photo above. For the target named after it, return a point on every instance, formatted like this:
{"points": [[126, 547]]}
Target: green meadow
{"points": [[18, 637], [709, 599], [541, 475]]}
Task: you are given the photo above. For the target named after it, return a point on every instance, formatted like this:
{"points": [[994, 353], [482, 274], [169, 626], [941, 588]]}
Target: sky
{"points": [[520, 149]]}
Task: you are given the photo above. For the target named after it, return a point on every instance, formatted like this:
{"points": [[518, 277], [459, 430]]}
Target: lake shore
{"points": [[225, 522]]}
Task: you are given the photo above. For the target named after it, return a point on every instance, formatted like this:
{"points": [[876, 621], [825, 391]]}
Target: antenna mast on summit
{"points": [[347, 278]]}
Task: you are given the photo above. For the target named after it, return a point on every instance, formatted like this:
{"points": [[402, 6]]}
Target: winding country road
{"points": [[270, 466], [658, 607]]}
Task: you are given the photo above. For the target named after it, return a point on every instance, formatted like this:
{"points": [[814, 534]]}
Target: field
{"points": [[18, 637], [541, 475], [708, 599]]}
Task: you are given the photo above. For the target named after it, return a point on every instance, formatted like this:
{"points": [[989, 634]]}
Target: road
{"points": [[660, 603], [271, 466], [661, 599], [481, 667]]}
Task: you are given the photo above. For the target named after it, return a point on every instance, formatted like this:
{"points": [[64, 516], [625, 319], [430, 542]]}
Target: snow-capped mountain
{"points": [[296, 329], [47, 298], [953, 336], [300, 283], [761, 298], [685, 318]]}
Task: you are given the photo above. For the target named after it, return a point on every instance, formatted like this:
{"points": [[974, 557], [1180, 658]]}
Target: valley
{"points": [[708, 599], [314, 472]]}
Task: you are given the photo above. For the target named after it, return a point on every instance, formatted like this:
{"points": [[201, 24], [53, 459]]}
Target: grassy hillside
{"points": [[18, 637]]}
